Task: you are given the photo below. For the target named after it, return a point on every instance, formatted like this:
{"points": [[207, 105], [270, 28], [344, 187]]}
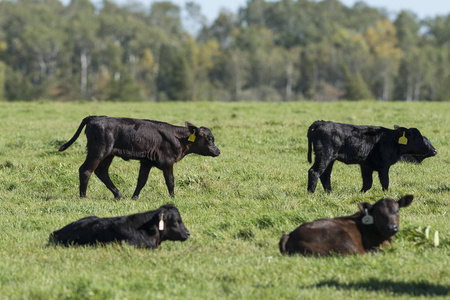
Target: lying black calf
{"points": [[145, 230]]}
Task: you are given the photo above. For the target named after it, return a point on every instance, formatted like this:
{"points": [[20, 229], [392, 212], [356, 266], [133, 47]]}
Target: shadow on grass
{"points": [[421, 288]]}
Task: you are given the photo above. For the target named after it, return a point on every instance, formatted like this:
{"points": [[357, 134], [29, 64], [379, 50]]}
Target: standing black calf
{"points": [[373, 148], [145, 230], [153, 143]]}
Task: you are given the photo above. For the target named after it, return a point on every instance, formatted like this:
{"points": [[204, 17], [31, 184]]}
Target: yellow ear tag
{"points": [[161, 222], [191, 138], [403, 140]]}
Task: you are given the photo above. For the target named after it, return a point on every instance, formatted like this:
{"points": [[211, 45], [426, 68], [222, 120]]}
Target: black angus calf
{"points": [[145, 230], [365, 231], [373, 148], [153, 143]]}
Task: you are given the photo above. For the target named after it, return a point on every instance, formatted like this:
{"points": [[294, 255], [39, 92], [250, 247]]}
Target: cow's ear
{"points": [[396, 127], [402, 139], [364, 205], [192, 128], [405, 201]]}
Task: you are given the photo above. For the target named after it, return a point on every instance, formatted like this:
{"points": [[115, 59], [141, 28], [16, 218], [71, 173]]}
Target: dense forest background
{"points": [[269, 51]]}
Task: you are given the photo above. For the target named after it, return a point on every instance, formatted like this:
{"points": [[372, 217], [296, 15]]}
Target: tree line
{"points": [[268, 50]]}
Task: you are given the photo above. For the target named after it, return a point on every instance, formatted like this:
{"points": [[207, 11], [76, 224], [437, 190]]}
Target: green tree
{"points": [[384, 46], [166, 16], [356, 88], [82, 28], [172, 80]]}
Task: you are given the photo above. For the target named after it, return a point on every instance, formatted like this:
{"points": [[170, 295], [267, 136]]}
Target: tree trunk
{"points": [[84, 67], [409, 87], [385, 96], [289, 80], [237, 75]]}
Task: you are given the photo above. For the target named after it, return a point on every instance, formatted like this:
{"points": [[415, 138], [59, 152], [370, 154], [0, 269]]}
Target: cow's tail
{"points": [[309, 150], [310, 131], [283, 242], [77, 134]]}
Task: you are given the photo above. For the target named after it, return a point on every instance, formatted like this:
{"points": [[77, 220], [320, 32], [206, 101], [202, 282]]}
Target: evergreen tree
{"points": [[172, 80]]}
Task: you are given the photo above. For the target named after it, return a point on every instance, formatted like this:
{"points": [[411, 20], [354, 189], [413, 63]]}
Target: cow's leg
{"points": [[325, 178], [85, 172], [316, 172], [168, 176], [366, 174], [144, 170], [103, 175], [383, 174]]}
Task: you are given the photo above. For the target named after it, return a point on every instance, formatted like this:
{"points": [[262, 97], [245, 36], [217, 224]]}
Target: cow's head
{"points": [[411, 141], [170, 225], [384, 214], [202, 141]]}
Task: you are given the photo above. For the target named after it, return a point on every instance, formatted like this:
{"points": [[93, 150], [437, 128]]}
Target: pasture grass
{"points": [[236, 206]]}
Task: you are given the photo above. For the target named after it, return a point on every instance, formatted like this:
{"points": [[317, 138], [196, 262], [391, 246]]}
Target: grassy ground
{"points": [[236, 207]]}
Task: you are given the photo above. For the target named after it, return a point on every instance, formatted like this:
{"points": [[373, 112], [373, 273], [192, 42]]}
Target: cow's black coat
{"points": [[373, 148], [141, 230], [153, 143], [353, 234]]}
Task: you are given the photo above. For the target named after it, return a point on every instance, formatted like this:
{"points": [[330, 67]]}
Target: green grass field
{"points": [[236, 206]]}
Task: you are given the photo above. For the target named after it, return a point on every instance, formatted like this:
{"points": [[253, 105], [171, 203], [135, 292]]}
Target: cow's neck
{"points": [[185, 144], [152, 231], [371, 237]]}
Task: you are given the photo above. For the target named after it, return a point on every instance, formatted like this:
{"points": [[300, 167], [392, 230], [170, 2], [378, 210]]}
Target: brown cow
{"points": [[365, 231], [153, 143]]}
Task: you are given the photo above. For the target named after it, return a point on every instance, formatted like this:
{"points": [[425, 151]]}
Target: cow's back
{"points": [[89, 231], [325, 236], [348, 143], [127, 138]]}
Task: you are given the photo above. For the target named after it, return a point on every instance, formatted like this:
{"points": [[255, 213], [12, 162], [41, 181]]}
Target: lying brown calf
{"points": [[362, 232]]}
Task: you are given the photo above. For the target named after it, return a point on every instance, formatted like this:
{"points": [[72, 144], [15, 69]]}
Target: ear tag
{"points": [[403, 140], [367, 219], [161, 222], [191, 138]]}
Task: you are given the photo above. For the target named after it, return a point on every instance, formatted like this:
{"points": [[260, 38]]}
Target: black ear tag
{"points": [[367, 219]]}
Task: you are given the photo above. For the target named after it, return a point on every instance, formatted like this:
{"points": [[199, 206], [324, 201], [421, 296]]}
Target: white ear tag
{"points": [[367, 219], [161, 222]]}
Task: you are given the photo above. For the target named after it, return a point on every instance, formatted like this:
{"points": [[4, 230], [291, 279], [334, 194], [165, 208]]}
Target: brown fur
{"points": [[347, 235]]}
